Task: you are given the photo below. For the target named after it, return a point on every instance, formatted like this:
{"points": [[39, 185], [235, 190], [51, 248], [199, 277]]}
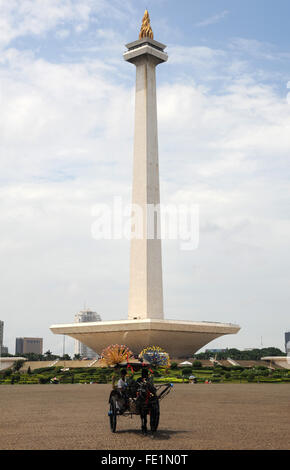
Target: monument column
{"points": [[146, 325], [146, 290]]}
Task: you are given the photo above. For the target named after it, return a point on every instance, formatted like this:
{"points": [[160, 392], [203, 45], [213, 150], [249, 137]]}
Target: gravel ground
{"points": [[197, 417]]}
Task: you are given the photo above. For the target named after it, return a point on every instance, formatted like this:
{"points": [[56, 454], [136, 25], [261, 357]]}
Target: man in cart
{"points": [[122, 387]]}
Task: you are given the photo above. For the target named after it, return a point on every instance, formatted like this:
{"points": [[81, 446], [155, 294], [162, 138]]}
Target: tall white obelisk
{"points": [[146, 290], [146, 324]]}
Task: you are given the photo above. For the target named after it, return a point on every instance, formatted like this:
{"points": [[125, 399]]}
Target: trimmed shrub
{"points": [[43, 380], [196, 364], [186, 371], [269, 380], [168, 379], [251, 377], [102, 379], [42, 370]]}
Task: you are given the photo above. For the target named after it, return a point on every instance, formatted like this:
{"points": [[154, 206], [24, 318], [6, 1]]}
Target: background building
{"points": [[215, 350], [28, 345], [85, 316], [3, 349], [287, 343]]}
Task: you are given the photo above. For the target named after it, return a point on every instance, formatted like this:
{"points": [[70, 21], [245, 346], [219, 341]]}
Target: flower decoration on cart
{"points": [[156, 356], [116, 354]]}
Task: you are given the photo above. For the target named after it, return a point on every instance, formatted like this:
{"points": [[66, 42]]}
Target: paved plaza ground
{"points": [[199, 416]]}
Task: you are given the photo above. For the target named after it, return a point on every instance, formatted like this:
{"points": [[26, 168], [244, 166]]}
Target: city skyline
{"points": [[67, 101]]}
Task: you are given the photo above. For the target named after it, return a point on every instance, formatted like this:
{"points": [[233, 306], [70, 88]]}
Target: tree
{"points": [[48, 354], [66, 357], [249, 355], [272, 352], [33, 357], [17, 365]]}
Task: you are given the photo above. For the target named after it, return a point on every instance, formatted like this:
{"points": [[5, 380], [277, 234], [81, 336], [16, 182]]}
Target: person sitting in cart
{"points": [[123, 391], [122, 383]]}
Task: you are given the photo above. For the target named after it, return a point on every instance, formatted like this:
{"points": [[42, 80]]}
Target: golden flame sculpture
{"points": [[146, 31], [115, 354]]}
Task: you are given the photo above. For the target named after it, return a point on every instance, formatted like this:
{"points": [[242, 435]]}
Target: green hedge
{"points": [[269, 380], [104, 375], [169, 380]]}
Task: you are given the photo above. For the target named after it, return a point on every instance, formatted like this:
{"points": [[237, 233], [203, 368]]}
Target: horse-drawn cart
{"points": [[141, 399]]}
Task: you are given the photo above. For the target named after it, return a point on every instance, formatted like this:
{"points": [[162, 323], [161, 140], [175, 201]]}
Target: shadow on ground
{"points": [[160, 435]]}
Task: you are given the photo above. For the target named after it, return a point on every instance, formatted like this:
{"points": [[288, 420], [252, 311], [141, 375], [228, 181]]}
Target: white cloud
{"points": [[259, 49], [195, 55], [36, 17], [62, 33], [19, 18], [213, 19], [58, 115]]}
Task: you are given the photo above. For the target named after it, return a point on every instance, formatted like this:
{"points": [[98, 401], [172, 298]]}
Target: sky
{"points": [[66, 144]]}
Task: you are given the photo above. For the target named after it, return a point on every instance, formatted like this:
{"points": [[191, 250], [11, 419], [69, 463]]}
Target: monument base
{"points": [[281, 361], [178, 338], [7, 362]]}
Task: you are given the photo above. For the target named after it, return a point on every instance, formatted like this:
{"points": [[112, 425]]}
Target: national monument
{"points": [[146, 325]]}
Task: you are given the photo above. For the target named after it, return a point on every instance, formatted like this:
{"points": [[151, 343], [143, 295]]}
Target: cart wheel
{"points": [[113, 415], [154, 416]]}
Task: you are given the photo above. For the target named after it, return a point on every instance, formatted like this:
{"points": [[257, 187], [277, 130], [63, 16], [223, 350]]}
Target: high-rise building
{"points": [[85, 316], [3, 349], [1, 332], [28, 345], [287, 343]]}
